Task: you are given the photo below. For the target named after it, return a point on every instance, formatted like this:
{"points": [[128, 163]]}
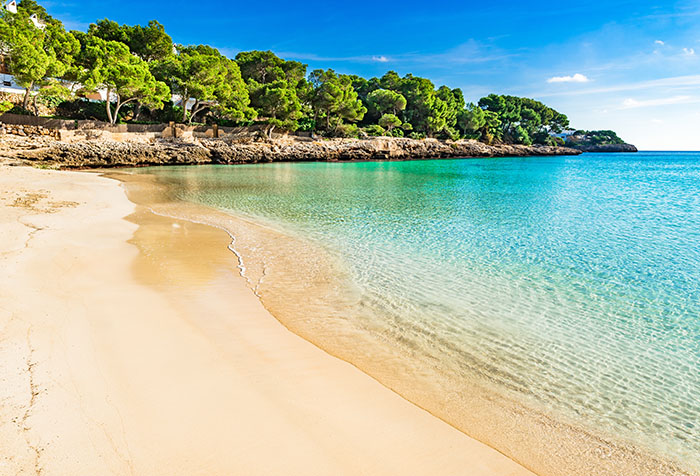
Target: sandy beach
{"points": [[131, 346]]}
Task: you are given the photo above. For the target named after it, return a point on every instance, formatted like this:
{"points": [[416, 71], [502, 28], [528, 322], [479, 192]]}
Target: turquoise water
{"points": [[569, 283]]}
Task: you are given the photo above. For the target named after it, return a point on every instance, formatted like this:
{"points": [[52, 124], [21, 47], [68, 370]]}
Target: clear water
{"points": [[571, 284]]}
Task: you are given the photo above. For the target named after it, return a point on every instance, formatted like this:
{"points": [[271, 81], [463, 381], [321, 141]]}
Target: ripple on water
{"points": [[548, 306]]}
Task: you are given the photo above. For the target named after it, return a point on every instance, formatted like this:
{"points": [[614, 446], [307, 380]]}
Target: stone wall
{"points": [[73, 130], [28, 130]]}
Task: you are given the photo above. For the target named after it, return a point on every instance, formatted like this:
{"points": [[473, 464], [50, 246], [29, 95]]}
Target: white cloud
{"points": [[659, 42], [630, 103], [576, 78], [676, 82], [380, 59], [689, 51]]}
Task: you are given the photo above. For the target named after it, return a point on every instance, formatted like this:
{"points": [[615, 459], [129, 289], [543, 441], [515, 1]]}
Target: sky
{"points": [[629, 66]]}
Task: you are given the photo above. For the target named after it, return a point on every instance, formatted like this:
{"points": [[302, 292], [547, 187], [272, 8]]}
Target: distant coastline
{"points": [[619, 148]]}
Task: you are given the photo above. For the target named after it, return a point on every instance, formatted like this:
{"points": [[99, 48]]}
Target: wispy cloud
{"points": [[660, 42], [322, 58], [689, 51], [576, 78], [676, 82], [630, 103], [470, 52]]}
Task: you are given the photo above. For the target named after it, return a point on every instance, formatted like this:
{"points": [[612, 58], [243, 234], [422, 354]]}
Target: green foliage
{"points": [[334, 101], [389, 121], [471, 121], [211, 79], [82, 109], [306, 124], [346, 130], [53, 94], [5, 106], [604, 137], [126, 77], [30, 7], [385, 101], [35, 54], [524, 120], [374, 130], [150, 43], [137, 65], [277, 88]]}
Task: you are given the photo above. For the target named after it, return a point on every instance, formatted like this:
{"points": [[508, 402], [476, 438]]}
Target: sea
{"points": [[547, 306]]}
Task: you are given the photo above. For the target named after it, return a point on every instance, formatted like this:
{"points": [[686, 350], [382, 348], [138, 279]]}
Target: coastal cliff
{"points": [[110, 153]]}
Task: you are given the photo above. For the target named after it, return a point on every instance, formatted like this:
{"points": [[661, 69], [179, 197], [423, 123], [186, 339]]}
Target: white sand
{"points": [[139, 351]]}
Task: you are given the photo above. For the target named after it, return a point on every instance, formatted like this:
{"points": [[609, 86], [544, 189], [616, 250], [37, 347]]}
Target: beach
{"points": [[131, 345]]}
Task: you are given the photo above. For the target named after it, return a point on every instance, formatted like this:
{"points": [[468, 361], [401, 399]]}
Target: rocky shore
{"points": [[607, 148], [109, 153]]}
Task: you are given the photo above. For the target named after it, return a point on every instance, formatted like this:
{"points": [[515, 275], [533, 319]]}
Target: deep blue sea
{"points": [[571, 284]]}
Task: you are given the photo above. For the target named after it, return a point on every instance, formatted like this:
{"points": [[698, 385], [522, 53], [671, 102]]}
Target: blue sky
{"points": [[631, 66]]}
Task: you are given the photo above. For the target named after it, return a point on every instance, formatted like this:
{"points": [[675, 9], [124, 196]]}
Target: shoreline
{"points": [[101, 153], [546, 443], [188, 374]]}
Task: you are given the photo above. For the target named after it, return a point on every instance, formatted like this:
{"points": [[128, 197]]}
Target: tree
{"points": [[471, 120], [389, 121], [150, 43], [36, 54], [126, 78], [334, 99], [30, 7], [278, 89], [524, 119], [385, 101], [214, 81], [492, 127], [428, 110], [276, 102]]}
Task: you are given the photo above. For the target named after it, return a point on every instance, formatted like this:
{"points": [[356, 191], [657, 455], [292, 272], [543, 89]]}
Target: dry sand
{"points": [[133, 347]]}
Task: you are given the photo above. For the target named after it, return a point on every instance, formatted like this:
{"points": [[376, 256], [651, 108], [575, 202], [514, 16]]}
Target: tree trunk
{"points": [[35, 105], [269, 131], [185, 100], [25, 102], [108, 103], [194, 111], [116, 110], [137, 111], [119, 106]]}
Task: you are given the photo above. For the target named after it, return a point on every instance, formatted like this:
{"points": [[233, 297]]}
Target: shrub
{"points": [[346, 130], [53, 95], [20, 110], [82, 109], [5, 106], [306, 124], [417, 135], [374, 130]]}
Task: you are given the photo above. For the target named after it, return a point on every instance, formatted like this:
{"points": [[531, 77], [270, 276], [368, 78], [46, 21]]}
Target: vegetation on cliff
{"points": [[139, 69]]}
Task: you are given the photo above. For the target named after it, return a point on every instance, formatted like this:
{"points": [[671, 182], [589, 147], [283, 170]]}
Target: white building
{"points": [[11, 6], [37, 23]]}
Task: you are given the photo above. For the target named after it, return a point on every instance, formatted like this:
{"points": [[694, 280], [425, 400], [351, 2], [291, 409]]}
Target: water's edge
{"points": [[544, 443]]}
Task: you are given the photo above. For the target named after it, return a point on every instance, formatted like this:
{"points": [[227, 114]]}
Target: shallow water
{"points": [[567, 287]]}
